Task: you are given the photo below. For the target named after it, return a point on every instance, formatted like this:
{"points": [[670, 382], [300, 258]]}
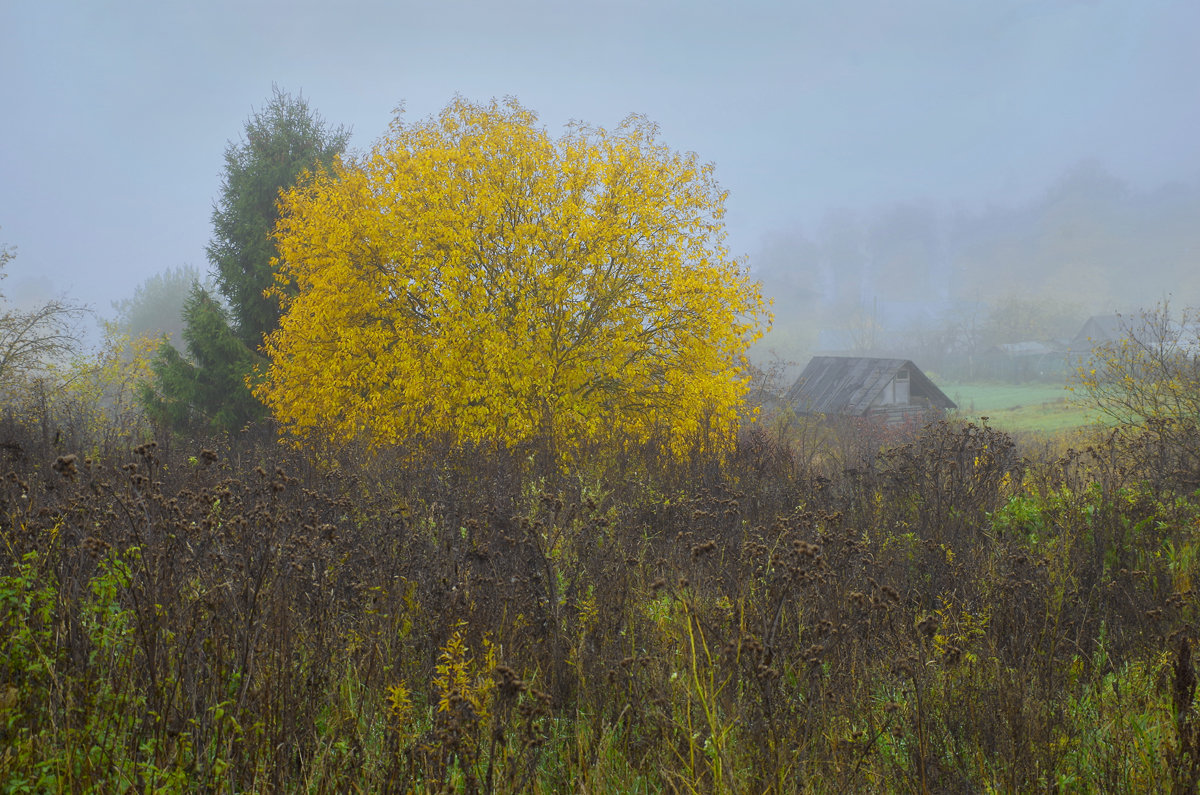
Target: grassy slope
{"points": [[1036, 407]]}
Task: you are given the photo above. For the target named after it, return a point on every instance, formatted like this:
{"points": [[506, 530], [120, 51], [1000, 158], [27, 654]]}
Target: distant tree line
{"points": [[949, 286]]}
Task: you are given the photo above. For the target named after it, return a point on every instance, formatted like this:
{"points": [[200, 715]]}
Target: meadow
{"points": [[938, 612], [1033, 407]]}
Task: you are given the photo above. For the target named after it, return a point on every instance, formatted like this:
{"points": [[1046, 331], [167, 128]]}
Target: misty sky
{"points": [[114, 115]]}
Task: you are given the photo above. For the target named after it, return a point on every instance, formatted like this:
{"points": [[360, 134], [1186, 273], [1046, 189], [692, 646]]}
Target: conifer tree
{"points": [[207, 386]]}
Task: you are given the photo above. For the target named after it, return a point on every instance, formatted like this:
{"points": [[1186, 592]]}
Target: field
{"points": [[1038, 408], [942, 614]]}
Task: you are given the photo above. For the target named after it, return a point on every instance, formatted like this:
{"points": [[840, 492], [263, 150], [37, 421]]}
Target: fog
{"points": [[891, 167], [907, 279]]}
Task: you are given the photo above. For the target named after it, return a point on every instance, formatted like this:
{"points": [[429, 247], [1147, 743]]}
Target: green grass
{"points": [[1033, 407]]}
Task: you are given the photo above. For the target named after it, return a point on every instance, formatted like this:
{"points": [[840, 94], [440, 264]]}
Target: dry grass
{"points": [[945, 614]]}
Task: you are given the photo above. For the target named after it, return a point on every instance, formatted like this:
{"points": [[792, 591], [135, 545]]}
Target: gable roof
{"points": [[1099, 329], [852, 385]]}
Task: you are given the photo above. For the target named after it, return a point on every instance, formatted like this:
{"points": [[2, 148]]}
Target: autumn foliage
{"points": [[474, 275]]}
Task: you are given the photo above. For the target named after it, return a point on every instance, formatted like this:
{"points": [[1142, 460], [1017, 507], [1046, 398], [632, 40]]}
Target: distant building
{"points": [[1025, 361], [894, 390], [1149, 329], [1098, 330]]}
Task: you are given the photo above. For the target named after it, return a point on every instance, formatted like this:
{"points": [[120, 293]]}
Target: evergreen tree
{"points": [[208, 386], [281, 142]]}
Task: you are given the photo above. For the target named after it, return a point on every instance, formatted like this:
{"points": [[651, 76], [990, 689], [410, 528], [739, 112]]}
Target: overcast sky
{"points": [[114, 114]]}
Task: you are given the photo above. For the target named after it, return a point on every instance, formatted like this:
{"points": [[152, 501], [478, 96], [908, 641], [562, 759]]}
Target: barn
{"points": [[894, 390]]}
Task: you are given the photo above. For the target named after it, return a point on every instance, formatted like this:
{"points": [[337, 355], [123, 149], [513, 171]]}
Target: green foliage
{"points": [[282, 141], [1020, 517], [207, 389], [67, 726]]}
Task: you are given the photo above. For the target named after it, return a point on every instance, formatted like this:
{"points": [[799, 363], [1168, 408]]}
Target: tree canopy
{"points": [[34, 337], [473, 275], [156, 307], [282, 141], [1150, 374], [207, 387]]}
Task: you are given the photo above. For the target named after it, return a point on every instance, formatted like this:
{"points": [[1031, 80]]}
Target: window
{"points": [[900, 383]]}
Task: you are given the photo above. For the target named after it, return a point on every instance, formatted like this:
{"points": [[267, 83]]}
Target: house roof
{"points": [[852, 384], [1099, 329]]}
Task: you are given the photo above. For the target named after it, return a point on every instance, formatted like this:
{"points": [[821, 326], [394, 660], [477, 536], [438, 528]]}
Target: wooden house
{"points": [[894, 390]]}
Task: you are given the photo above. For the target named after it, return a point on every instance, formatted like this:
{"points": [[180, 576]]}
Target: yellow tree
{"points": [[1150, 374], [474, 275], [1146, 384]]}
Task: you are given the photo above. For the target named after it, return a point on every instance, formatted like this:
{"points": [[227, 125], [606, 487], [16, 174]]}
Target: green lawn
{"points": [[1037, 407]]}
